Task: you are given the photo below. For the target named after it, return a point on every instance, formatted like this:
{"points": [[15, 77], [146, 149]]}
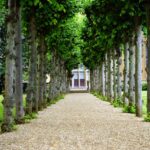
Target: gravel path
{"points": [[80, 122]]}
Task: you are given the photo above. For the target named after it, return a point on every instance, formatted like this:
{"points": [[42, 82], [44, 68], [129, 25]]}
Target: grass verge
{"points": [[127, 109]]}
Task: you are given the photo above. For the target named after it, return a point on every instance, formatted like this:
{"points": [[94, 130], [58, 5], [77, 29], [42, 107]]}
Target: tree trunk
{"points": [[110, 81], [9, 71], [148, 56], [91, 80], [18, 72], [119, 85], [114, 75], [44, 82], [126, 73], [31, 100], [106, 74], [131, 95], [50, 95], [96, 79], [138, 72], [64, 79], [58, 76], [41, 76], [103, 79]]}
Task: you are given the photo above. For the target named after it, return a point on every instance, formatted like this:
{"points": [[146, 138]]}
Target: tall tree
{"points": [[138, 68], [126, 73], [32, 84], [147, 6], [18, 67], [9, 71]]}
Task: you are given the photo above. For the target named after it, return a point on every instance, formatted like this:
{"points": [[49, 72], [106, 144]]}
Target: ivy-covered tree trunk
{"points": [[110, 80], [92, 79], [131, 92], [138, 72], [31, 100], [64, 85], [44, 82], [8, 121], [114, 76], [103, 79], [96, 80], [69, 75], [126, 73], [119, 85], [41, 76], [93, 76], [58, 76], [106, 74], [65, 79], [100, 79], [54, 77], [51, 80], [18, 71], [148, 56]]}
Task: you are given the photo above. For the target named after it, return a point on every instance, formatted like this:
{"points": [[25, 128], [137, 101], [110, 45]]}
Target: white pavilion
{"points": [[81, 78]]}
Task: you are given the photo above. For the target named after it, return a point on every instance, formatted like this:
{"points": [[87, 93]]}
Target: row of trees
{"points": [[43, 38], [115, 29]]}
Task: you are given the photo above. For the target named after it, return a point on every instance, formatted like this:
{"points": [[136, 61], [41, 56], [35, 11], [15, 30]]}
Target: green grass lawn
{"points": [[144, 97], [1, 108]]}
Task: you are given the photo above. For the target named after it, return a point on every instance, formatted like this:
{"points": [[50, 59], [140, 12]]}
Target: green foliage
{"points": [[109, 24], [129, 109], [117, 102], [144, 86], [66, 39], [95, 93], [10, 128], [1, 112], [2, 108], [144, 98], [3, 12], [28, 118], [15, 127], [147, 118], [61, 23], [57, 99], [99, 96]]}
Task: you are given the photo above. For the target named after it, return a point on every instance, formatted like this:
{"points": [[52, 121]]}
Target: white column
{"points": [[73, 82], [89, 74], [79, 77], [85, 77]]}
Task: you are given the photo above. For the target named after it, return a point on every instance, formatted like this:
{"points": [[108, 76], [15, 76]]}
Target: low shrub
{"points": [[129, 109], [99, 96], [28, 118], [56, 99], [117, 102], [147, 118]]}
